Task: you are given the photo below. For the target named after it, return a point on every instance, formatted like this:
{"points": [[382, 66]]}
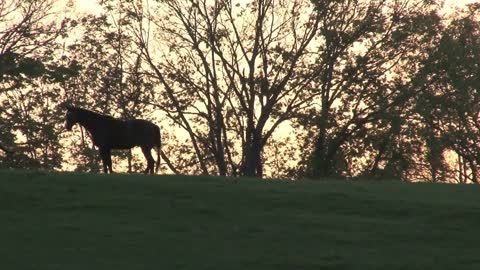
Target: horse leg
{"points": [[105, 155], [150, 161], [109, 161], [157, 148]]}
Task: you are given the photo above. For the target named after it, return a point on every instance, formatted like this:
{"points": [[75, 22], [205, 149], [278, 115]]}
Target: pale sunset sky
{"points": [[91, 5]]}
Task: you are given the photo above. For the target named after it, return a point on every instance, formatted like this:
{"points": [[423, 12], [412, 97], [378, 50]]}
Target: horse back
{"points": [[126, 134]]}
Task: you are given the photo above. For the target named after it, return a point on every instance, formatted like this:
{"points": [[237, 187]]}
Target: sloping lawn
{"points": [[85, 221]]}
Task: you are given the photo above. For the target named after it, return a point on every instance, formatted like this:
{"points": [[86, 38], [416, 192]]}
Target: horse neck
{"points": [[89, 121]]}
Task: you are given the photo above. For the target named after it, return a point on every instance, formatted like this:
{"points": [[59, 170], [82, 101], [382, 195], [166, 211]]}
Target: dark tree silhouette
{"points": [[29, 32], [368, 49], [450, 105], [231, 73]]}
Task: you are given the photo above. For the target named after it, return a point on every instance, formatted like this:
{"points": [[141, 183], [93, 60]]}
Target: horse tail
{"points": [[6, 150], [157, 147]]}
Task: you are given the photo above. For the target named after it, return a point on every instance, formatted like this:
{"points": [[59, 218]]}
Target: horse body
{"points": [[110, 133]]}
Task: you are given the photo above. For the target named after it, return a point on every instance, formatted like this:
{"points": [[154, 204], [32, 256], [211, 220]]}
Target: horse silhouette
{"points": [[109, 133]]}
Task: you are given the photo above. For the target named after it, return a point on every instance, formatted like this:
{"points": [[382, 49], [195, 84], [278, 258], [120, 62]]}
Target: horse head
{"points": [[71, 117]]}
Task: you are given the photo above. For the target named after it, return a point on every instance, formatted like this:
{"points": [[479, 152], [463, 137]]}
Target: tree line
{"points": [[262, 88]]}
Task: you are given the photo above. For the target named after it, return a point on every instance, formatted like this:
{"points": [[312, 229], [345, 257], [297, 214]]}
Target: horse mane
{"points": [[92, 115]]}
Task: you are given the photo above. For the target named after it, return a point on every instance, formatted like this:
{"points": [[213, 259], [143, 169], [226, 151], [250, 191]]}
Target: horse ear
{"points": [[68, 107]]}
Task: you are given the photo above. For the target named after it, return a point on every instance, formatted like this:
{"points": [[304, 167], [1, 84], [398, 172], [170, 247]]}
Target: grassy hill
{"points": [[86, 221]]}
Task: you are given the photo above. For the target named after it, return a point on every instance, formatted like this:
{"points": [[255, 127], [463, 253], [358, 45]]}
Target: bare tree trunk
{"points": [[253, 158], [460, 169], [474, 170]]}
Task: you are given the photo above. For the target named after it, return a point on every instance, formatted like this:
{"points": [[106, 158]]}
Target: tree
{"points": [[27, 31], [28, 74], [231, 73], [367, 50], [449, 106]]}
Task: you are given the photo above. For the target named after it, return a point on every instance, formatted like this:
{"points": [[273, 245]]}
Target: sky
{"points": [[86, 6], [91, 5], [460, 2]]}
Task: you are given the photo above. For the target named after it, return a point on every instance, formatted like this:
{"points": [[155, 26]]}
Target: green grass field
{"points": [[85, 221]]}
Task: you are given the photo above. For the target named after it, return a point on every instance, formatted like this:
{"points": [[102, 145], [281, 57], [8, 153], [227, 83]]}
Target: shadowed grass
{"points": [[85, 221]]}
